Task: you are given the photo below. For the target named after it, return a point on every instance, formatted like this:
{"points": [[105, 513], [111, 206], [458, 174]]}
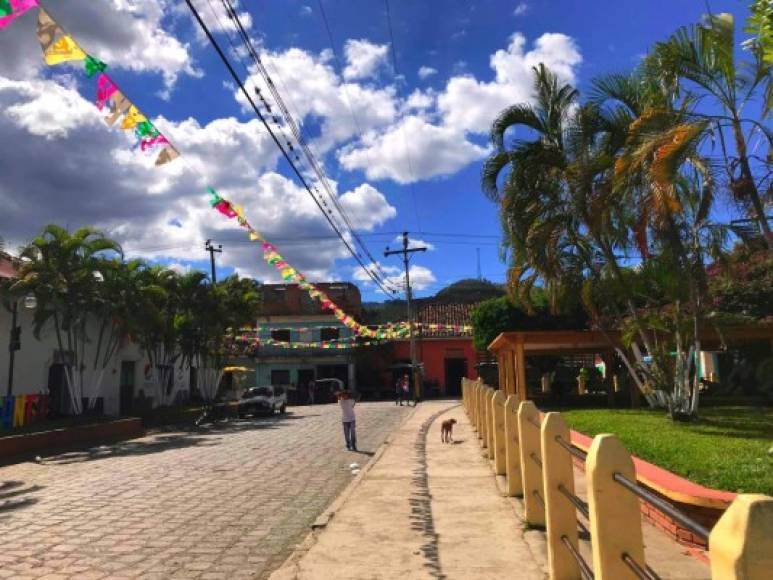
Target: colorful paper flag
{"points": [[106, 88], [63, 50], [168, 153], [133, 118], [118, 105], [10, 10]]}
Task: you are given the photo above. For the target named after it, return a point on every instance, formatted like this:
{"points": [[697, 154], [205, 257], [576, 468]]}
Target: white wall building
{"points": [[38, 367]]}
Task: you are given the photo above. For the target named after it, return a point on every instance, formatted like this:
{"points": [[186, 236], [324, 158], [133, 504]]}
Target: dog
{"points": [[447, 431]]}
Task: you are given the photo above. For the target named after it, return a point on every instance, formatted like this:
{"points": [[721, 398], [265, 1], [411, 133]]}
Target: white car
{"points": [[258, 400]]}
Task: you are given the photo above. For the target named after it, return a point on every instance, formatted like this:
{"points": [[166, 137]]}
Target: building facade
{"points": [[290, 315], [446, 356], [38, 367]]}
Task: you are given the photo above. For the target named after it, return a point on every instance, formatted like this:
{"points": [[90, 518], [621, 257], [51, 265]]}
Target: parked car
{"points": [[257, 400]]}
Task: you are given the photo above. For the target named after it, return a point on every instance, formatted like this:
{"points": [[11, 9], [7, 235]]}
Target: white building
{"points": [[39, 369]]}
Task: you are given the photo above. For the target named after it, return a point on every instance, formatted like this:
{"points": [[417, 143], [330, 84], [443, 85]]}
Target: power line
{"points": [[396, 73], [287, 157], [297, 133]]}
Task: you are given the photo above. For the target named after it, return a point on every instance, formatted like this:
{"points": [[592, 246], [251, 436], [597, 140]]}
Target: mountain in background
{"points": [[469, 291]]}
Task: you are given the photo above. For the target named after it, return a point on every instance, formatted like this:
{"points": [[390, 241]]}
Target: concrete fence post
{"points": [[529, 438], [513, 448], [560, 512], [500, 443], [615, 515], [741, 542], [490, 422], [484, 418], [478, 389]]}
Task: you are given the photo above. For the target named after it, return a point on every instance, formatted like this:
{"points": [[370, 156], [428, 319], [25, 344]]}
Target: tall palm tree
{"points": [[63, 270], [701, 59]]}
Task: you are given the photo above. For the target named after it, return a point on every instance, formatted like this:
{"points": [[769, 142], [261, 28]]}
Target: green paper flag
{"points": [[93, 66], [5, 8]]}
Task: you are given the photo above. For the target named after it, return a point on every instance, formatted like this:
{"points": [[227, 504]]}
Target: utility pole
{"points": [[480, 274], [208, 247], [406, 253]]}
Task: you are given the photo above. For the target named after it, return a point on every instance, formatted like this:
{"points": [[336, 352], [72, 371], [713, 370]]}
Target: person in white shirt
{"points": [[346, 403]]}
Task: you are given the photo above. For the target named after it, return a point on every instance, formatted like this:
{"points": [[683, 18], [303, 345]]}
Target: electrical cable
{"points": [[297, 133], [285, 154]]}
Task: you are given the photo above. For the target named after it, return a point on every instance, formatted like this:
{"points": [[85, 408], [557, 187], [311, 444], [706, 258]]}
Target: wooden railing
{"points": [[536, 455]]}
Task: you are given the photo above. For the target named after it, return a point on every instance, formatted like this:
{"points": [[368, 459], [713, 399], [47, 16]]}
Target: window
{"points": [[329, 334], [282, 335], [280, 377]]}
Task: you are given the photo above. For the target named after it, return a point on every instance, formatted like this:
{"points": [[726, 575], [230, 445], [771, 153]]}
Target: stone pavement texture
{"points": [[230, 501], [428, 510]]}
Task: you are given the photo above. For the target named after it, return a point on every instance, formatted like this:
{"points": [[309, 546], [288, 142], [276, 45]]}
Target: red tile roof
{"points": [[439, 313]]}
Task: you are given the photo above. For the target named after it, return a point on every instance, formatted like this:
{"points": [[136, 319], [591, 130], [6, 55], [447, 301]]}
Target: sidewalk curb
{"points": [[319, 525]]}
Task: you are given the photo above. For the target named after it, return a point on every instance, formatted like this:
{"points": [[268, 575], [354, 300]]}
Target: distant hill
{"points": [[468, 291]]}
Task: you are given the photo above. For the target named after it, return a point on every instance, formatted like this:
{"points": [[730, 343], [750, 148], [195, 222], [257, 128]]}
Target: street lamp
{"points": [[30, 303]]}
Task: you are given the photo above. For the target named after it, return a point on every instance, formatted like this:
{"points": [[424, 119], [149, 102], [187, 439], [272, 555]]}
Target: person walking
{"points": [[405, 388], [399, 391], [348, 419], [311, 392]]}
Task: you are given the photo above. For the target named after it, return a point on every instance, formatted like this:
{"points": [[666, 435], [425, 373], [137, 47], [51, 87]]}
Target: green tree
{"points": [[65, 272], [700, 60]]}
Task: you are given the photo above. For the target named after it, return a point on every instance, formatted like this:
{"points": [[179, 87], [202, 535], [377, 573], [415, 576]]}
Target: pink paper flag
{"points": [[18, 7], [105, 89], [152, 142]]}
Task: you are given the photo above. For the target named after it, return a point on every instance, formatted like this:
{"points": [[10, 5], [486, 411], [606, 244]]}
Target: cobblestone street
{"points": [[230, 501]]}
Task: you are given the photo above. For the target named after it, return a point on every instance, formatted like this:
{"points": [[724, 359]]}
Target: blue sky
{"points": [[459, 63]]}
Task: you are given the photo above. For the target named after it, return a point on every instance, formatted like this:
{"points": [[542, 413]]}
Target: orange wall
{"points": [[433, 352]]}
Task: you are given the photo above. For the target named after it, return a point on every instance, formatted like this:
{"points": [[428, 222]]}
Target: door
{"points": [[456, 370], [305, 376], [128, 373], [59, 397]]}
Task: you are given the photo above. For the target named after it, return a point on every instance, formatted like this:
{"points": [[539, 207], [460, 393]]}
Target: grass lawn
{"points": [[727, 448]]}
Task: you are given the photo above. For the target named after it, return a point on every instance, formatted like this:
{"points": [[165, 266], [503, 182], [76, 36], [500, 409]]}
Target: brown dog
{"points": [[447, 430]]}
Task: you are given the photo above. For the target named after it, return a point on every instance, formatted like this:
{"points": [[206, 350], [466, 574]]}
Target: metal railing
{"points": [[537, 466]]}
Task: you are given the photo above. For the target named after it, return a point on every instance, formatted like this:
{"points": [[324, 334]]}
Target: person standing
{"points": [[405, 387], [399, 391], [311, 392], [348, 419]]}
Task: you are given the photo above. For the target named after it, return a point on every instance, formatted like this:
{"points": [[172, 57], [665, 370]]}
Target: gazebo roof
{"points": [[552, 341]]}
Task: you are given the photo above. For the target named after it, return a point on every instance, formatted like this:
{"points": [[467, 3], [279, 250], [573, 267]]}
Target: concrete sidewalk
{"points": [[423, 510]]}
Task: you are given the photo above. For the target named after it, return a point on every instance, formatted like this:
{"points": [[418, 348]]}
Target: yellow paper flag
{"points": [[63, 50], [133, 118], [254, 236]]}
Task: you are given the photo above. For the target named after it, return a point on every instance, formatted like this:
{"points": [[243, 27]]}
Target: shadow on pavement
{"points": [[421, 502], [13, 495], [172, 437]]}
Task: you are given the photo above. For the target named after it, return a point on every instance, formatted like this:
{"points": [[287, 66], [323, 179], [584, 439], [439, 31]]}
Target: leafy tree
{"points": [[497, 315], [700, 61], [65, 272]]}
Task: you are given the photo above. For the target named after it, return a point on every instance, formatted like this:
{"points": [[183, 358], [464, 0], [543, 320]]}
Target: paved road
{"points": [[229, 502]]}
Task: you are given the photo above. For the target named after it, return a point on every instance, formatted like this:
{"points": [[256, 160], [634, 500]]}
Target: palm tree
{"points": [[701, 59], [563, 221], [63, 271]]}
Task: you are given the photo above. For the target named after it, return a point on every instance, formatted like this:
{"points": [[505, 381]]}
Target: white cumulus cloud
{"points": [[363, 58], [412, 150], [426, 72]]}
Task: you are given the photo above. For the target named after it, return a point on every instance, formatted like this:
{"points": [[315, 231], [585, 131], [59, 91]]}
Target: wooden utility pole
{"points": [[406, 254], [208, 247]]}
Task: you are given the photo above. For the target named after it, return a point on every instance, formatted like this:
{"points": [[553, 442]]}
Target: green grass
{"points": [[727, 448]]}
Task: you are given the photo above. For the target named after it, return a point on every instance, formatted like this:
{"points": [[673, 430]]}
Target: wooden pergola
{"points": [[512, 348]]}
